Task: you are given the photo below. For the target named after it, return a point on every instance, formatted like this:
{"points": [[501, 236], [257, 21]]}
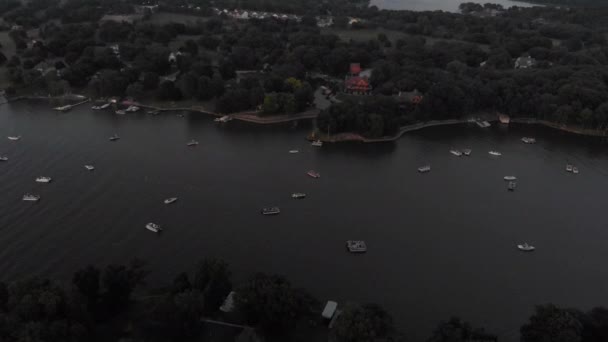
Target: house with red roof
{"points": [[355, 83]]}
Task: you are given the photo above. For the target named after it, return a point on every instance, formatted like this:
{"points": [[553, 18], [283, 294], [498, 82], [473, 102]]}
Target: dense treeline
{"points": [[459, 64], [111, 304]]}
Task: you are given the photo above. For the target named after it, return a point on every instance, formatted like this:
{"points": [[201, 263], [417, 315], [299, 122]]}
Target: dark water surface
{"points": [[435, 5], [440, 244]]}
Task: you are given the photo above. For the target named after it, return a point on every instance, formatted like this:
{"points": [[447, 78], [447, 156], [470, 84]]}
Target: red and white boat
{"points": [[313, 174]]}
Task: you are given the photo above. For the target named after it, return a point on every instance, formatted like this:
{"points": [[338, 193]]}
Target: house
{"points": [[524, 62], [356, 83], [173, 56]]}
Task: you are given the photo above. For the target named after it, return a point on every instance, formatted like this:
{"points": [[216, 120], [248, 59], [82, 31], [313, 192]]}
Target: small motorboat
{"points": [[192, 143], [569, 168], [132, 109], [3, 158], [512, 186], [294, 151], [313, 174], [271, 211], [466, 152], [105, 105], [317, 143], [510, 178], [14, 137], [153, 227], [89, 167], [31, 198], [96, 107], [43, 180], [456, 153], [114, 137], [120, 112], [575, 170], [525, 247], [153, 112], [495, 153], [298, 195], [356, 246], [424, 169], [528, 140], [171, 200]]}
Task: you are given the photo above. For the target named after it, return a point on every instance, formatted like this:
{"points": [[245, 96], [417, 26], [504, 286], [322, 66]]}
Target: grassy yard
{"points": [[364, 35], [164, 18]]}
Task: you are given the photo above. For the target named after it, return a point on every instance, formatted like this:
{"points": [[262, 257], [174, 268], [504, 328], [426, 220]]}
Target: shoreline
{"points": [[355, 137], [312, 113]]}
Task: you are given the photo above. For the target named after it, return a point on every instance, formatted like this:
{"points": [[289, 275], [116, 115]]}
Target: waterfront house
{"points": [[355, 83]]}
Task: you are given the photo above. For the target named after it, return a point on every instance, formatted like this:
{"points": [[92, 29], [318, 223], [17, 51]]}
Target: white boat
{"points": [[96, 107], [313, 174], [271, 211], [171, 200], [120, 112], [43, 180], [132, 109], [569, 168], [356, 246], [526, 247], [31, 198], [224, 118], [104, 106], [467, 152], [298, 195], [527, 140], [192, 143], [14, 137], [63, 108], [317, 143], [3, 158], [510, 178], [114, 137], [294, 151], [456, 153], [483, 124], [424, 169], [495, 153], [89, 167], [153, 227], [575, 170]]}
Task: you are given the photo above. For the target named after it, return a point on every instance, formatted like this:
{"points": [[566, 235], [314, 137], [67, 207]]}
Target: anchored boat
{"points": [[43, 180], [356, 246], [526, 247], [298, 195], [31, 198], [89, 167], [192, 143], [456, 153], [171, 200], [271, 211], [14, 137], [495, 153], [153, 227], [313, 174], [317, 143], [510, 178], [424, 169]]}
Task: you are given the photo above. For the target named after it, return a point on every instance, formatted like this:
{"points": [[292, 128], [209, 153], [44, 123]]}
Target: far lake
{"points": [[435, 5], [440, 244]]}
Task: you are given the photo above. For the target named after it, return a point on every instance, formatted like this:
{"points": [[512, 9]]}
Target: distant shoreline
{"points": [[355, 137], [253, 117]]}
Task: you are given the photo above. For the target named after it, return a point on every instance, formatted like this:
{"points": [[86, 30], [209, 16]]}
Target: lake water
{"points": [[440, 244], [435, 5]]}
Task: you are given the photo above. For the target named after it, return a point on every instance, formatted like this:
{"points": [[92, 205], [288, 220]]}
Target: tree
{"points": [[181, 283], [135, 90], [270, 302], [2, 59], [168, 91], [456, 330], [550, 323], [212, 278], [119, 282], [87, 283], [150, 80], [365, 323], [191, 47]]}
